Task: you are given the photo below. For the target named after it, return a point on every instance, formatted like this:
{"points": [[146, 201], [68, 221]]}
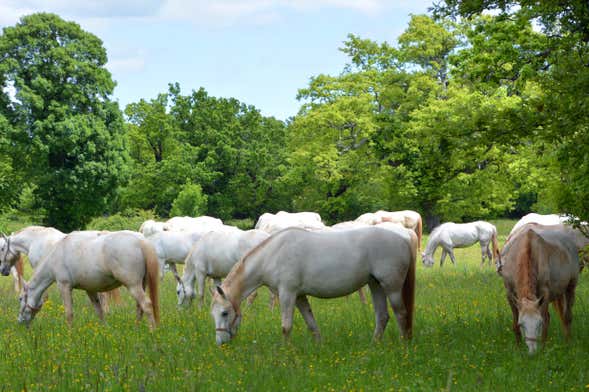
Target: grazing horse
{"points": [[539, 265], [295, 263], [214, 256], [95, 262], [172, 247], [36, 242], [271, 223], [406, 218], [546, 220], [150, 227], [460, 235], [200, 224]]}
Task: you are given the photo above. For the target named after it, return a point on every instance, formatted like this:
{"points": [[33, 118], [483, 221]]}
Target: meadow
{"points": [[462, 341]]}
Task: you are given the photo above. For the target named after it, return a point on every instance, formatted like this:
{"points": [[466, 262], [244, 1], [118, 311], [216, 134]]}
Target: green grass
{"points": [[462, 341]]}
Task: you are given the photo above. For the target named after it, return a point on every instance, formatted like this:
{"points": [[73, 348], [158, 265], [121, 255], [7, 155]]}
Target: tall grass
{"points": [[462, 341]]}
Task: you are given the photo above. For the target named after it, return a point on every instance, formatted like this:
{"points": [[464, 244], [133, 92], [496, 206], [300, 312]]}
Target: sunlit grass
{"points": [[462, 341]]}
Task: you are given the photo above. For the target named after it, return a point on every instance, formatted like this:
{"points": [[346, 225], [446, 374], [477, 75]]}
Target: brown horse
{"points": [[539, 265]]}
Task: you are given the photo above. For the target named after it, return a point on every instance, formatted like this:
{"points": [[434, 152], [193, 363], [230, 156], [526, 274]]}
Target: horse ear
{"points": [[221, 292], [540, 301]]}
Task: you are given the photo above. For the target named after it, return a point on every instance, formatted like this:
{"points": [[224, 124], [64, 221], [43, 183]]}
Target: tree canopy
{"points": [[467, 115]]}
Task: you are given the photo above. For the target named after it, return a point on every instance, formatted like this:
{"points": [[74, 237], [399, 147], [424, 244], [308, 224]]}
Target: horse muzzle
{"points": [[5, 271]]}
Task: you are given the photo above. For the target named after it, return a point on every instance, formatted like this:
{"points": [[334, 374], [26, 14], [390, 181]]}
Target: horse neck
{"points": [[432, 243], [21, 242], [42, 278], [244, 278]]}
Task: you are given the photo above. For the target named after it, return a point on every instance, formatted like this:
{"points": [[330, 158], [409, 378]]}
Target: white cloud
{"points": [[126, 64], [219, 13]]}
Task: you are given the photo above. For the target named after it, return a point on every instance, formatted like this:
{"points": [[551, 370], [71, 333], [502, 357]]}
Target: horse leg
{"points": [[175, 272], [200, 283], [484, 251], [451, 253], [138, 313], [569, 300], [515, 314], [287, 304], [252, 297], [559, 307], [162, 264], [400, 311], [97, 306], [144, 303], [361, 295], [546, 316], [489, 254], [103, 299], [443, 257], [273, 299], [66, 295], [381, 313], [305, 309]]}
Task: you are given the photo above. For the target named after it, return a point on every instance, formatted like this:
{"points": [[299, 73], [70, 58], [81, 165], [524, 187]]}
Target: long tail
{"points": [[152, 278], [408, 292], [20, 269], [496, 253], [419, 233]]}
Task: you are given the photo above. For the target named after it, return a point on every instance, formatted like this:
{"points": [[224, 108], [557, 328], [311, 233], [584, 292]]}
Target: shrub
{"points": [[190, 201], [130, 219]]}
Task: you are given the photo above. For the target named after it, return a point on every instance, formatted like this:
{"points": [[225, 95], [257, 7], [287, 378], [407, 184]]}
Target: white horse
{"points": [[214, 256], [406, 218], [95, 262], [271, 223], [461, 235], [546, 220], [186, 223], [34, 241], [295, 263], [348, 225], [150, 227], [172, 247]]}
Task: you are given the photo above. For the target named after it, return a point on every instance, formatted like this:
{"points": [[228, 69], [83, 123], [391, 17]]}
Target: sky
{"points": [[258, 51]]}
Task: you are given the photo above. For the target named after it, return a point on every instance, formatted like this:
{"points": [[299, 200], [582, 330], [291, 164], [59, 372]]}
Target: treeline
{"points": [[466, 116]]}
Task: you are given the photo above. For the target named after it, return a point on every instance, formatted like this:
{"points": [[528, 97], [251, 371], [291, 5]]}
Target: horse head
{"points": [[8, 256], [185, 293], [428, 260], [530, 321], [226, 315], [28, 307]]}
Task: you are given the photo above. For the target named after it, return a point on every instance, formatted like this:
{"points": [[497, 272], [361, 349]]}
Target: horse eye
{"points": [[224, 313]]}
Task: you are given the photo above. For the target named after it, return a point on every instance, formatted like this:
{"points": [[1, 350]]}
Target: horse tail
{"points": [[419, 232], [408, 292], [152, 277], [495, 244], [20, 269]]}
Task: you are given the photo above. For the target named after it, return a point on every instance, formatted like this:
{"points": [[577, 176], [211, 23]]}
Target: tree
{"points": [[190, 201], [66, 133], [561, 70]]}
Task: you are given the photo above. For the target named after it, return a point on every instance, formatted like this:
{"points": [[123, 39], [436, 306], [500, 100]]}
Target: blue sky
{"points": [[258, 51]]}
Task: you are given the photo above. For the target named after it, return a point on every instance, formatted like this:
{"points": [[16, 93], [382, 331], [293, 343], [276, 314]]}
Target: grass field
{"points": [[462, 341]]}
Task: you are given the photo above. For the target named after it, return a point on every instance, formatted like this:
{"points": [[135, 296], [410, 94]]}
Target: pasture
{"points": [[462, 341]]}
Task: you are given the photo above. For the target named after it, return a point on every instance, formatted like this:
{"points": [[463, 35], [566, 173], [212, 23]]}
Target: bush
{"points": [[190, 201], [130, 219]]}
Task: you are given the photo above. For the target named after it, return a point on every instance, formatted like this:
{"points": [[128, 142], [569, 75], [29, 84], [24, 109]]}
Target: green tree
{"points": [[65, 130], [190, 201], [561, 70]]}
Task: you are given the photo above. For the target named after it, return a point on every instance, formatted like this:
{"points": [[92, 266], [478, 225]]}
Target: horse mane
{"points": [[527, 270]]}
